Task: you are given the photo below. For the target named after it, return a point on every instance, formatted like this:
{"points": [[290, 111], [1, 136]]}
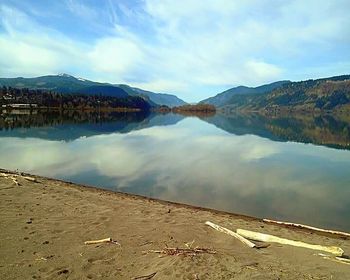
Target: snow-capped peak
{"points": [[64, 75], [70, 76]]}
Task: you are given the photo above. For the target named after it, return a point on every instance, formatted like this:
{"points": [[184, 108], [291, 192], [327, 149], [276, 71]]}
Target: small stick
{"points": [[343, 260], [15, 181], [271, 238], [183, 251], [31, 179], [105, 240], [308, 227], [230, 232], [336, 259], [146, 276]]}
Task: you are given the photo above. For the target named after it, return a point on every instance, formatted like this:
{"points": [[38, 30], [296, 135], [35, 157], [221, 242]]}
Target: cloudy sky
{"points": [[191, 48]]}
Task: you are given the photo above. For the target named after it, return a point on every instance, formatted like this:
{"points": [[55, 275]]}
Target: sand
{"points": [[44, 225]]}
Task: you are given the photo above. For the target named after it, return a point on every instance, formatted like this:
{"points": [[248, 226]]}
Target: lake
{"points": [[286, 168]]}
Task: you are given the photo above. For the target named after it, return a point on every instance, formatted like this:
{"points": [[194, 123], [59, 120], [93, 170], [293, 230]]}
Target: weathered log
{"points": [[232, 233], [271, 238], [12, 177], [105, 240], [335, 259], [343, 260], [31, 179], [308, 227]]}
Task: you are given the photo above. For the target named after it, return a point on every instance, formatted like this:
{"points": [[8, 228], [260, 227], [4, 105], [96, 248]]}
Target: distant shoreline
{"points": [[102, 109]]}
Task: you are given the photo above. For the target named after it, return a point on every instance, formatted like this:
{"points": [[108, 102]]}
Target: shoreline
{"points": [[179, 204], [45, 223], [137, 196]]}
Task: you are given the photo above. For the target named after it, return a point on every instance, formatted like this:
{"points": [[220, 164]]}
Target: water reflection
{"points": [[194, 162], [70, 125], [328, 130]]}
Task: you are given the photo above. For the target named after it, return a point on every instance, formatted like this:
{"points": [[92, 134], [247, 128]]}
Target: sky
{"points": [[191, 48]]}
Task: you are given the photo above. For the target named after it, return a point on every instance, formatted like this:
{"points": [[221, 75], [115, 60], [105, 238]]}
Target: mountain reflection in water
{"points": [[70, 125], [327, 130], [239, 163]]}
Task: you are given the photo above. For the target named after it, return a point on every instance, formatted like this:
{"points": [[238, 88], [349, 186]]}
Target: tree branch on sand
{"points": [[183, 251]]}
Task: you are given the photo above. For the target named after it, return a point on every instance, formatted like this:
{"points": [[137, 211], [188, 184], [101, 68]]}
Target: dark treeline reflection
{"points": [[26, 119], [327, 130], [70, 125]]}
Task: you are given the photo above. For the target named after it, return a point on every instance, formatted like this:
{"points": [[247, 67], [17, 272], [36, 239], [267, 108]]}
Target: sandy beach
{"points": [[44, 224]]}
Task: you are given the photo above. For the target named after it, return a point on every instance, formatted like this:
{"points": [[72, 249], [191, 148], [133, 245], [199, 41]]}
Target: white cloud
{"points": [[30, 49], [115, 56], [34, 59], [182, 45], [262, 70]]}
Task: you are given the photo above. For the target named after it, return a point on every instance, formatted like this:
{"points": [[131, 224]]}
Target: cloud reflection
{"points": [[194, 162]]}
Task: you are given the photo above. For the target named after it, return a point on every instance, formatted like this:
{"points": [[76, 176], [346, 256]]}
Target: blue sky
{"points": [[191, 48]]}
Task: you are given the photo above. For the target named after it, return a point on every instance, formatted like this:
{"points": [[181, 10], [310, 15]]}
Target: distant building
{"points": [[7, 97], [20, 106]]}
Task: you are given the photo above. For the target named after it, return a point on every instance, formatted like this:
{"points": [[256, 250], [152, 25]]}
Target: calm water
{"points": [[295, 169]]}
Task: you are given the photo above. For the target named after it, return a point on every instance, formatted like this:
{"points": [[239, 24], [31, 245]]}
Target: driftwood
{"points": [[342, 260], [12, 177], [230, 232], [183, 251], [335, 259], [31, 179], [308, 227], [146, 277], [271, 238], [105, 240]]}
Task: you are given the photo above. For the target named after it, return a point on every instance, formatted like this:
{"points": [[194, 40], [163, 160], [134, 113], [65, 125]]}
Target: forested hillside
{"points": [[67, 84], [311, 95], [9, 97]]}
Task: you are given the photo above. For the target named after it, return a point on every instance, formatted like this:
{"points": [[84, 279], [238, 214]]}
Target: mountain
{"points": [[222, 98], [324, 94], [64, 83], [158, 98], [113, 99]]}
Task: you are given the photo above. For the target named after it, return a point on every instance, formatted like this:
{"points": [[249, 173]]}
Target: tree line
{"points": [[53, 100]]}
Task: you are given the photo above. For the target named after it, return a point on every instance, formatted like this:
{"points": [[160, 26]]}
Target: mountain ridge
{"points": [[65, 83], [222, 97], [324, 94]]}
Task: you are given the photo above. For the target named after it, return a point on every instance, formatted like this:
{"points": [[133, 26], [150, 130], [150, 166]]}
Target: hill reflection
{"points": [[70, 125], [323, 130], [326, 130]]}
